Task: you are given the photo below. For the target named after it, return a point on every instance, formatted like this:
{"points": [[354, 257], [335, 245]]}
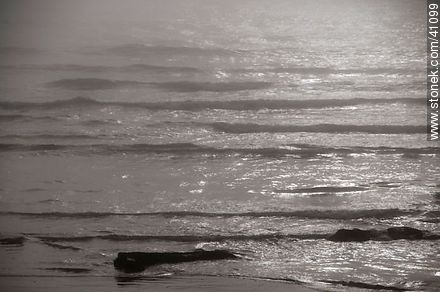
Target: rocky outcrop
{"points": [[393, 233], [132, 262]]}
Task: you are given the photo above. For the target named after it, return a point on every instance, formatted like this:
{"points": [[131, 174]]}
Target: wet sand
{"points": [[193, 284]]}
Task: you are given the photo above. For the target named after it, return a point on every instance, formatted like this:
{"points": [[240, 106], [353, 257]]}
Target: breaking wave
{"points": [[301, 150], [331, 70], [303, 214], [323, 190], [199, 105]]}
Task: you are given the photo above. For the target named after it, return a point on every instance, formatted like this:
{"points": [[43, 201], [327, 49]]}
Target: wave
{"points": [[146, 50], [142, 67], [7, 118], [15, 117], [33, 190], [331, 70], [92, 84], [18, 240], [184, 238], [343, 214], [70, 270], [60, 246], [19, 50], [351, 284], [199, 105], [57, 67], [176, 148], [387, 184], [414, 85], [52, 136], [363, 285], [99, 69], [182, 86], [36, 147], [323, 190], [98, 123], [238, 128], [341, 235], [300, 151], [158, 69], [186, 86], [291, 70]]}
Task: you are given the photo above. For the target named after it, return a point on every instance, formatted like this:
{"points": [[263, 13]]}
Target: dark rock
{"points": [[393, 233], [132, 262], [356, 235], [405, 233], [19, 240]]}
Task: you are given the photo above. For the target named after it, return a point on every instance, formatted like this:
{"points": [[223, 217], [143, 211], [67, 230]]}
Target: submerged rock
{"points": [[132, 262], [393, 233]]}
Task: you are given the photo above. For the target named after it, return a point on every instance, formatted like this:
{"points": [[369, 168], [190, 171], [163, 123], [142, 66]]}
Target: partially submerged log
{"points": [[132, 262]]}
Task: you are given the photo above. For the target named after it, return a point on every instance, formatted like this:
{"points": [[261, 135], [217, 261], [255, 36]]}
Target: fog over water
{"points": [[259, 127]]}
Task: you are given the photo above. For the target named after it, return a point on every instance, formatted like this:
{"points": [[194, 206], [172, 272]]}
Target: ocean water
{"points": [[259, 127]]}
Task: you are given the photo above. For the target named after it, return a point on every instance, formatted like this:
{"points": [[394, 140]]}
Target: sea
{"points": [[258, 127]]}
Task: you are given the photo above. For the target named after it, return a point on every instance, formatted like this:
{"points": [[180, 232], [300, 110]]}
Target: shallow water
{"points": [[254, 127]]}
